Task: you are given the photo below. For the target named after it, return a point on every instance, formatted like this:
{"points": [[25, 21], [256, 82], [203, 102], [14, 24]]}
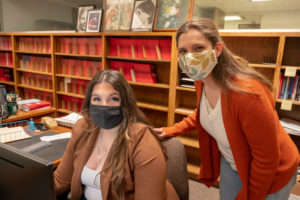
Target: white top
{"points": [[91, 181], [212, 121]]}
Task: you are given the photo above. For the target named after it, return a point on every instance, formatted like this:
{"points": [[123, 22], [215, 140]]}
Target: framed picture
{"points": [[172, 14], [94, 20], [118, 15], [82, 17], [143, 15]]}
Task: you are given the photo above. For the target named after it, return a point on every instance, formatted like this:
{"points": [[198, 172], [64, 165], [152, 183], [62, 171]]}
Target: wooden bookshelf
{"points": [[164, 102]]}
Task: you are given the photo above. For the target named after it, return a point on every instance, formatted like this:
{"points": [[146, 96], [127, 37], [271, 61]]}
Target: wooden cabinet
{"points": [[76, 58], [69, 60]]}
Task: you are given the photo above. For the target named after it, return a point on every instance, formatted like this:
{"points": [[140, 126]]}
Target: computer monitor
{"points": [[24, 176]]}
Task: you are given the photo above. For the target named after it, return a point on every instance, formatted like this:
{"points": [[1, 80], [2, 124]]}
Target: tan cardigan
{"points": [[145, 171], [265, 156]]}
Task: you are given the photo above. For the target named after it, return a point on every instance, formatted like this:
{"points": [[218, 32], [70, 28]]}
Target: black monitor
{"points": [[24, 176]]}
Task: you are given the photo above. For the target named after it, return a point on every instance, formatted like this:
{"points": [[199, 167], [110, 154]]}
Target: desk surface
{"points": [[58, 129], [21, 115]]}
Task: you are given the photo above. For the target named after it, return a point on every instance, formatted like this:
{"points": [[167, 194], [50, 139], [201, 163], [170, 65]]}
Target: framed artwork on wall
{"points": [[94, 20], [172, 14], [82, 17], [143, 15], [118, 15]]}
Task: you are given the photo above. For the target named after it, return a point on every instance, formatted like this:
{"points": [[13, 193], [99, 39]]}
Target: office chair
{"points": [[177, 166]]}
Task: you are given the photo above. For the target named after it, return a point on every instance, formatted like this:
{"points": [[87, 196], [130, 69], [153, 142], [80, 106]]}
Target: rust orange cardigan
{"points": [[265, 156]]}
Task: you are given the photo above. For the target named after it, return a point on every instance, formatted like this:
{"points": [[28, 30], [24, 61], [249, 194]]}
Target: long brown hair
{"points": [[118, 153], [230, 66]]}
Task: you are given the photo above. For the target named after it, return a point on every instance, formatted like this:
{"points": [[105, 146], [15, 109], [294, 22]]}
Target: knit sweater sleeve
{"points": [[257, 116], [186, 125]]}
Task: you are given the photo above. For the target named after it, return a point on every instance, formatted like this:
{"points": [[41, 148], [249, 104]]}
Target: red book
{"points": [[139, 43], [145, 73], [127, 70], [151, 48], [33, 106], [165, 47], [99, 46], [113, 51]]}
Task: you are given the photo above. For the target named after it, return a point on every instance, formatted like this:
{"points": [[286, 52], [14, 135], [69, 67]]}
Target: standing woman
{"points": [[112, 154], [240, 136]]}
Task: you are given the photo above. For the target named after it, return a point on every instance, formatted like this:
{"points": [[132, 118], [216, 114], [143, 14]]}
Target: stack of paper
{"points": [[68, 120], [291, 126], [12, 134]]}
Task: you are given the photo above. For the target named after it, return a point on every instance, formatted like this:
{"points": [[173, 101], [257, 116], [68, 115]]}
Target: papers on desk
{"points": [[68, 120], [12, 134], [291, 126], [294, 197], [56, 137]]}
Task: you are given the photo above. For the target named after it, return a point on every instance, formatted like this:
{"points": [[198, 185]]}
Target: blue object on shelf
{"points": [[31, 125]]}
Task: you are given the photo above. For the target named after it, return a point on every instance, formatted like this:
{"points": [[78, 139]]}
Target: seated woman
{"points": [[112, 153]]}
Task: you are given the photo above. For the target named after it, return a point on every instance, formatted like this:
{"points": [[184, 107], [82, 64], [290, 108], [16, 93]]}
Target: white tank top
{"points": [[212, 121], [91, 181]]}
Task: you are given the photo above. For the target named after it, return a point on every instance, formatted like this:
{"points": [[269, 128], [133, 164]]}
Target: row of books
{"points": [[77, 67], [36, 63], [6, 74], [136, 72], [35, 94], [6, 59], [71, 103], [5, 43], [33, 104], [140, 48], [289, 87], [80, 45], [35, 44], [37, 80], [75, 86]]}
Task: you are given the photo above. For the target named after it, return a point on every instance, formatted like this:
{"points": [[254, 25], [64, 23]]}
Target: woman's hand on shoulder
{"points": [[160, 132]]}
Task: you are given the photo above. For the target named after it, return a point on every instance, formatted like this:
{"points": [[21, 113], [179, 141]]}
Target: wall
{"points": [[281, 20], [1, 17], [32, 15], [272, 20]]}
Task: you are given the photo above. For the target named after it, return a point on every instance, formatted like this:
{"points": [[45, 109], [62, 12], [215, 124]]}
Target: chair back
{"points": [[177, 166]]}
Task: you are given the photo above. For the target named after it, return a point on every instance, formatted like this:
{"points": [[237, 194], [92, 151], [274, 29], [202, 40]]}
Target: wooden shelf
{"points": [[190, 142], [21, 115], [34, 71], [152, 106], [193, 170], [34, 88], [71, 94], [32, 52], [79, 55], [8, 82], [293, 101], [6, 66], [184, 111], [6, 50], [156, 85], [63, 111], [137, 59], [73, 76], [271, 66], [186, 89]]}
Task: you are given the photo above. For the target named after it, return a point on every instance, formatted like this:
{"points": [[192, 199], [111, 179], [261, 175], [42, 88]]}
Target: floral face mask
{"points": [[198, 65]]}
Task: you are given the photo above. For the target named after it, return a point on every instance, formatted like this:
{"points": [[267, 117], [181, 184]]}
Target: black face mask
{"points": [[106, 117]]}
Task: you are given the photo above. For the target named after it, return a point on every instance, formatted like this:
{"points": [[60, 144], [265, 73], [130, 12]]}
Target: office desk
{"points": [[53, 153], [58, 129], [22, 115]]}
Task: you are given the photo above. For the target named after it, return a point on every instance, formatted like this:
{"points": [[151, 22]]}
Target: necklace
{"points": [[105, 150]]}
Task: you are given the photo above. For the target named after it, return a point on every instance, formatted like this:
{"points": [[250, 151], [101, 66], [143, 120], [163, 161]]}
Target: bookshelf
{"points": [[75, 57]]}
